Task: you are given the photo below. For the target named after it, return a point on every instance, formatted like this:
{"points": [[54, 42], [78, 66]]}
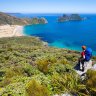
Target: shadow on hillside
{"points": [[77, 67]]}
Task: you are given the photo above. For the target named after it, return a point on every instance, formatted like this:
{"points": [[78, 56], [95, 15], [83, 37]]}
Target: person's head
{"points": [[83, 47]]}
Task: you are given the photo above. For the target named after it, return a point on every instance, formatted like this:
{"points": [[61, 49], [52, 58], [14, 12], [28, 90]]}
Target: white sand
{"points": [[11, 31]]}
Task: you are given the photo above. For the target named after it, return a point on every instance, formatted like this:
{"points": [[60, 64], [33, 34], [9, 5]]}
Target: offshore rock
{"points": [[72, 17]]}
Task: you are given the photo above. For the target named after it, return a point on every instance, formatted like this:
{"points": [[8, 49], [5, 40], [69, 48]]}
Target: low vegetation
{"points": [[28, 68]]}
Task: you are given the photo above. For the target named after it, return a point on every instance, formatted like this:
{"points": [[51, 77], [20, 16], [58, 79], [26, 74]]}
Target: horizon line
{"points": [[52, 12]]}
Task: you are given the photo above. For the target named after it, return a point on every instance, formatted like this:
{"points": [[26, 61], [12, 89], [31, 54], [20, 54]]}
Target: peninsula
{"points": [[11, 26]]}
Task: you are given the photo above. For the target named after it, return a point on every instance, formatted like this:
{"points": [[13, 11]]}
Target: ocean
{"points": [[70, 34]]}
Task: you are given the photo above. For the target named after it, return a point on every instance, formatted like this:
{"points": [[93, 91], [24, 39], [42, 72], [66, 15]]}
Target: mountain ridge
{"points": [[12, 20]]}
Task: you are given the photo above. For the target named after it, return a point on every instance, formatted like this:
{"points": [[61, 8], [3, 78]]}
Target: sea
{"points": [[70, 34]]}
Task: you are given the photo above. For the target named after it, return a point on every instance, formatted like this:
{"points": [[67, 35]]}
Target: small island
{"points": [[72, 17]]}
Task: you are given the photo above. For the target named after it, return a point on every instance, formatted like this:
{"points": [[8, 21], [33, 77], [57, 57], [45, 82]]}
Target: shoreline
{"points": [[17, 31], [11, 31]]}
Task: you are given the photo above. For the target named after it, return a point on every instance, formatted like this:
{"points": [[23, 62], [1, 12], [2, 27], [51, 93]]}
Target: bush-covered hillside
{"points": [[11, 20], [28, 68]]}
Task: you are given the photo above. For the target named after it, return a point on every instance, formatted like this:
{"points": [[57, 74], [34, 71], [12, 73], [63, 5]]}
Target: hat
{"points": [[84, 47]]}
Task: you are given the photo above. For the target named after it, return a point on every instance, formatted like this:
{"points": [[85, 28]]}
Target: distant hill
{"points": [[13, 14], [7, 19], [12, 20]]}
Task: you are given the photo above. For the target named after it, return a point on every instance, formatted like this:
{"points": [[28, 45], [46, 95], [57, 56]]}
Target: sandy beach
{"points": [[11, 30]]}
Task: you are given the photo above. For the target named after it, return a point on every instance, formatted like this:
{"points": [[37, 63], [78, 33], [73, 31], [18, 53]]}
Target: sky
{"points": [[48, 6]]}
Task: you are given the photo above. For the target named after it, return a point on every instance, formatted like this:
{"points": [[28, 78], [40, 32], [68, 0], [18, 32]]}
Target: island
{"points": [[72, 17]]}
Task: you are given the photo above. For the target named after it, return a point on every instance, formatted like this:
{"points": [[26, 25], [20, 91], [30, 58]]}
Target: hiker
{"points": [[87, 54], [82, 58]]}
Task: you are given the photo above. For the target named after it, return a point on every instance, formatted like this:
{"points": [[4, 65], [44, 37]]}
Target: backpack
{"points": [[88, 54]]}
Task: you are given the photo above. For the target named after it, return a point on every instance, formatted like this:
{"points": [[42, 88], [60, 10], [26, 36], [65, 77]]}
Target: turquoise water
{"points": [[71, 35]]}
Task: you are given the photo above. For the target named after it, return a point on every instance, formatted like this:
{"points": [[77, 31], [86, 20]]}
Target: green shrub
{"points": [[29, 70], [1, 75], [15, 89], [5, 82], [52, 59], [60, 68], [10, 73], [34, 88], [90, 82], [63, 61], [57, 84], [67, 81], [15, 71], [43, 64], [91, 79]]}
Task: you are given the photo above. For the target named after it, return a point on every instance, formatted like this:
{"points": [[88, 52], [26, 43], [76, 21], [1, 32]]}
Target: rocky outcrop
{"points": [[72, 17], [94, 67], [76, 17], [42, 20], [63, 18], [32, 20], [37, 20], [87, 66]]}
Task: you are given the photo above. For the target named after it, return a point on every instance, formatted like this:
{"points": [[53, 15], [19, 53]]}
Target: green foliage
{"points": [[15, 71], [88, 87], [34, 88], [64, 61], [9, 74], [91, 79], [44, 63], [25, 60], [64, 83], [91, 82], [1, 74], [60, 68], [15, 89], [30, 70]]}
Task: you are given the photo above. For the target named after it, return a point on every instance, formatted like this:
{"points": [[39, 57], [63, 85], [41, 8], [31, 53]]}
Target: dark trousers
{"points": [[81, 61]]}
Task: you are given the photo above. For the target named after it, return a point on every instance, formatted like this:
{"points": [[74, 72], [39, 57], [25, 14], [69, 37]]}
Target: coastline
{"points": [[17, 31], [11, 31]]}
